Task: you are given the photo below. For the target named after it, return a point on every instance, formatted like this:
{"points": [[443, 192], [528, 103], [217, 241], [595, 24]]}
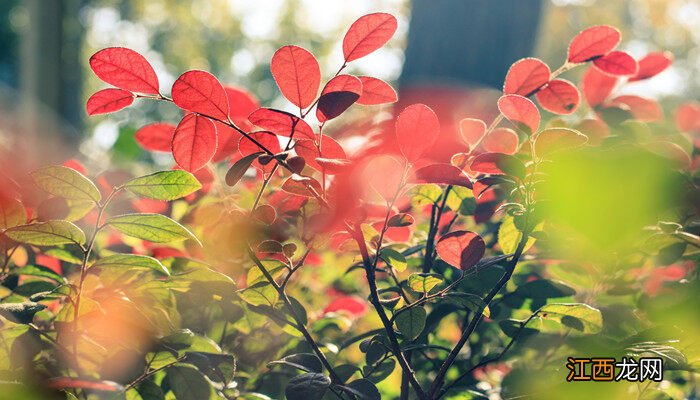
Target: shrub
{"points": [[314, 274]]}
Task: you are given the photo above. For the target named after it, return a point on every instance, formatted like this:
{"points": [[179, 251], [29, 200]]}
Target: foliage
{"points": [[312, 272]]}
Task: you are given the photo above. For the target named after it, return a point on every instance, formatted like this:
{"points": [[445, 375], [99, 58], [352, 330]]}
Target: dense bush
{"points": [[305, 272]]}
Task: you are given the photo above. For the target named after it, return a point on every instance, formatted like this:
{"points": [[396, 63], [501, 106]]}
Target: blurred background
{"points": [[45, 79]]}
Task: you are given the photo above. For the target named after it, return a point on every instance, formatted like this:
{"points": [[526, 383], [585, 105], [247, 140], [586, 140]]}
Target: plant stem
{"points": [[300, 324], [388, 328], [469, 329], [433, 231]]}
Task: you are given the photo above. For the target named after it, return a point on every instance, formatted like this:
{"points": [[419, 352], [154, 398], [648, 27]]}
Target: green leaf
{"points": [[394, 258], [544, 288], [12, 213], [67, 183], [469, 301], [461, 200], [126, 261], [39, 270], [425, 194], [306, 362], [399, 220], [380, 372], [20, 312], [307, 386], [262, 293], [411, 323], [424, 283], [164, 185], [187, 383], [364, 389], [273, 267], [509, 236], [580, 317], [49, 233], [152, 227], [63, 255]]}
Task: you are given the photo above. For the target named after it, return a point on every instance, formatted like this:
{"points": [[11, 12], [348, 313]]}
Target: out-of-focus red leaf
{"points": [[156, 137], [66, 382], [461, 249], [125, 69], [108, 100], [592, 43], [617, 63], [559, 97], [350, 304], [281, 123], [329, 149], [498, 164], [146, 205], [376, 91], [417, 129], [240, 102], [526, 76], [688, 117], [200, 92], [597, 86], [75, 165], [367, 34], [337, 96], [227, 142], [652, 64], [501, 140], [443, 174], [552, 140], [643, 109], [520, 111], [385, 175], [194, 142], [297, 74], [472, 130]]}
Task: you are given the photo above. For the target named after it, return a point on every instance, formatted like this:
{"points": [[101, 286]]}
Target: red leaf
{"points": [[334, 166], [76, 165], [75, 383], [376, 91], [156, 137], [501, 140], [240, 102], [593, 42], [125, 69], [442, 174], [472, 130], [688, 117], [329, 149], [108, 100], [559, 96], [351, 304], [597, 86], [200, 92], [520, 111], [652, 64], [281, 123], [367, 34], [617, 63], [297, 74], [338, 94], [194, 142], [646, 110], [498, 164], [417, 129], [461, 249], [552, 140], [526, 76], [296, 186]]}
